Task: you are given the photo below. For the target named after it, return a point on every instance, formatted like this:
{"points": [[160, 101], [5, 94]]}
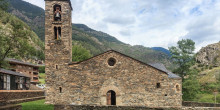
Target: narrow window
{"points": [[177, 88], [60, 88], [59, 33], [56, 66], [55, 33], [158, 85]]}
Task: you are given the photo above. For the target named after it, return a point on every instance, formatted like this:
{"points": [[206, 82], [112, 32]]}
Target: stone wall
{"points": [[58, 53], [198, 104], [13, 96], [11, 107], [88, 82], [87, 107]]}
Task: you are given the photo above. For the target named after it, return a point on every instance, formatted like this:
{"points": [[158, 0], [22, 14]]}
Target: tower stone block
{"points": [[58, 46]]}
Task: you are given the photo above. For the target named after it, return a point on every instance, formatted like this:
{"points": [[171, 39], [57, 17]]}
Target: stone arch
{"points": [[177, 86], [111, 97], [110, 85], [108, 88], [57, 9]]}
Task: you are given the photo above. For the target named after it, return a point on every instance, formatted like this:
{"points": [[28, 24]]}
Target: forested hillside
{"points": [[200, 72], [31, 14], [17, 40], [95, 41]]}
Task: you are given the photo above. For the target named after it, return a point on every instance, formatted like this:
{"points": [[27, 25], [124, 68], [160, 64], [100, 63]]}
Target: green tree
{"points": [[191, 86], [79, 53], [42, 69], [12, 41], [3, 5], [183, 56]]}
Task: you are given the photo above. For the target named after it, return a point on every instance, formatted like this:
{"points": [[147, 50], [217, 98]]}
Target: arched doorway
{"points": [[111, 97]]}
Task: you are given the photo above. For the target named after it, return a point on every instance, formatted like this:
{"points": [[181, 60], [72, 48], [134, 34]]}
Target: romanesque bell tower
{"points": [[58, 47]]}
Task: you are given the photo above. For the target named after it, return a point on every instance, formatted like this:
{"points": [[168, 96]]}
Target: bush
{"points": [[79, 53], [42, 69], [208, 98], [218, 98]]}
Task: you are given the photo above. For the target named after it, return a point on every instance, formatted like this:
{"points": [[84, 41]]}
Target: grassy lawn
{"points": [[36, 105]]}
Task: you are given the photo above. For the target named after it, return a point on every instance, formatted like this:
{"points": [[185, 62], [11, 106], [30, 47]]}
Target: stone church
{"points": [[110, 78]]}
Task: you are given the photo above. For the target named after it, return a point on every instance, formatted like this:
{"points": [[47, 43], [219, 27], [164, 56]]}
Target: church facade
{"points": [[110, 78]]}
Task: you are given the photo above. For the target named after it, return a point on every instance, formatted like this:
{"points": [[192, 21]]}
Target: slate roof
{"points": [[157, 66], [162, 67], [20, 62], [11, 72]]}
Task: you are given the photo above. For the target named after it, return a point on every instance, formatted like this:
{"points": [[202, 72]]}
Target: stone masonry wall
{"points": [[86, 107], [13, 96], [58, 53], [134, 83]]}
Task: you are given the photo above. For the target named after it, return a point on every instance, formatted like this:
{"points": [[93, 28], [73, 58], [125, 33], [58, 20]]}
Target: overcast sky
{"points": [[151, 23]]}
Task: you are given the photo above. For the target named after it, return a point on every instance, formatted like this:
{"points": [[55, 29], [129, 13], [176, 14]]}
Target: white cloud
{"points": [[150, 22], [39, 3]]}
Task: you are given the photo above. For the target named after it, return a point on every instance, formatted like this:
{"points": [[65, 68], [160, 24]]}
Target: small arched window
{"points": [[158, 85], [177, 88], [57, 12], [60, 89]]}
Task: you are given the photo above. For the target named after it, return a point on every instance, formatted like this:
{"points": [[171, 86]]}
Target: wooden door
{"points": [[109, 98]]}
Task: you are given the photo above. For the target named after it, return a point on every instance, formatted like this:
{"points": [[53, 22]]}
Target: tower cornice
{"points": [[63, 0]]}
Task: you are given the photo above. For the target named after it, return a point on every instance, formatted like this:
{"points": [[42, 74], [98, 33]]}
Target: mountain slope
{"points": [[209, 55], [162, 50], [208, 63], [33, 46], [31, 14], [95, 41], [82, 35]]}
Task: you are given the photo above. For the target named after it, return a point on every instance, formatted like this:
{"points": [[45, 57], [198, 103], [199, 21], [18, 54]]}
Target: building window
{"points": [[177, 88], [35, 78], [57, 33], [8, 82], [158, 85], [56, 66], [111, 61], [21, 83], [1, 81], [5, 82], [60, 89], [57, 12], [35, 73]]}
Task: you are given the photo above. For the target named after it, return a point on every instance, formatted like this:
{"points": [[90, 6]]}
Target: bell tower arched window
{"points": [[57, 33], [57, 12]]}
